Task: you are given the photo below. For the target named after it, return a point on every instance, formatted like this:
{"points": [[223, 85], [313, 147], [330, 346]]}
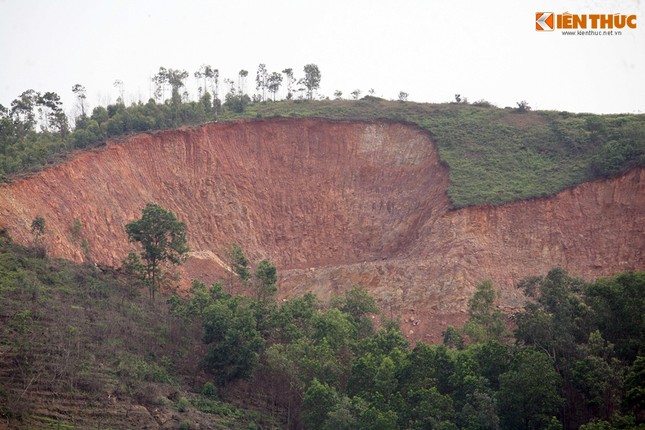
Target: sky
{"points": [[431, 49]]}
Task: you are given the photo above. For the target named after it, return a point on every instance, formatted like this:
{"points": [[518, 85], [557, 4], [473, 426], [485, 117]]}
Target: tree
{"points": [[274, 82], [163, 241], [7, 133], [38, 230], [235, 343], [311, 81], [529, 394], [161, 81], [169, 78], [207, 102], [618, 305], [358, 304], [597, 375], [266, 275], [556, 321], [293, 318], [118, 84], [289, 74], [210, 76], [236, 102], [485, 323], [342, 416], [214, 81], [261, 80], [242, 80], [523, 106], [81, 94], [319, 400], [264, 285], [376, 418], [403, 96], [356, 94], [427, 408], [333, 328], [239, 263], [76, 236], [176, 80], [635, 387], [452, 337], [53, 115], [203, 73], [100, 115], [338, 95], [22, 112]]}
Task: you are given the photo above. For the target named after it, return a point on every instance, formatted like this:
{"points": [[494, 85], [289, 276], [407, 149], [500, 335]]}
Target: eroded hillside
{"points": [[332, 203]]}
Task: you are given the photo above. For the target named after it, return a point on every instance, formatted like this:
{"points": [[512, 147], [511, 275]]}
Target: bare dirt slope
{"points": [[332, 204]]}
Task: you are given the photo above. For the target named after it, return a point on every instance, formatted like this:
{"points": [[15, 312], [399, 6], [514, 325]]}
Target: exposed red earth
{"points": [[332, 204]]}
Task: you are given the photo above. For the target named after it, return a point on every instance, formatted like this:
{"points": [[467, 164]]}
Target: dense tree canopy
{"points": [[329, 367]]}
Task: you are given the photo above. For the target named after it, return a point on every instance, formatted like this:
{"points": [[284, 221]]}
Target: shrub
{"points": [[210, 390], [523, 106], [182, 404], [483, 103]]}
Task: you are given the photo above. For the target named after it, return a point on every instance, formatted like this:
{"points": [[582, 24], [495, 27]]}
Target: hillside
{"points": [[495, 155], [332, 203], [80, 348], [391, 205], [500, 155]]}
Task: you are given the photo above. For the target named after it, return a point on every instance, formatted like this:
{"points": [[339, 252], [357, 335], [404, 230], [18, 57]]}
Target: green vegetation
{"points": [[38, 230], [499, 155], [79, 346], [495, 155], [86, 336], [163, 242]]}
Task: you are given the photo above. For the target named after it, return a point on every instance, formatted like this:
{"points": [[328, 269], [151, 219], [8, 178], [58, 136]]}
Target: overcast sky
{"points": [[431, 49]]}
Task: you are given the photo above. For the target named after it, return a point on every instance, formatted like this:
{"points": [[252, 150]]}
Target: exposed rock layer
{"points": [[332, 204]]}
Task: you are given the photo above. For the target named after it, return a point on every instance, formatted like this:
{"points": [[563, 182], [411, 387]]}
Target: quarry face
{"points": [[332, 204]]}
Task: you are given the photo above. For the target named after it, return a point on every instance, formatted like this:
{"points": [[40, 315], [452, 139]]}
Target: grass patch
{"points": [[229, 415], [47, 422]]}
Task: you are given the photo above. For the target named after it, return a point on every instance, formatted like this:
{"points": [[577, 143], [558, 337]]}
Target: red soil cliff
{"points": [[332, 204]]}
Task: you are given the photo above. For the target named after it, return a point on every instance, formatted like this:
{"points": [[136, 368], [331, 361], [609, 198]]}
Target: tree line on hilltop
{"points": [[559, 148], [34, 129]]}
